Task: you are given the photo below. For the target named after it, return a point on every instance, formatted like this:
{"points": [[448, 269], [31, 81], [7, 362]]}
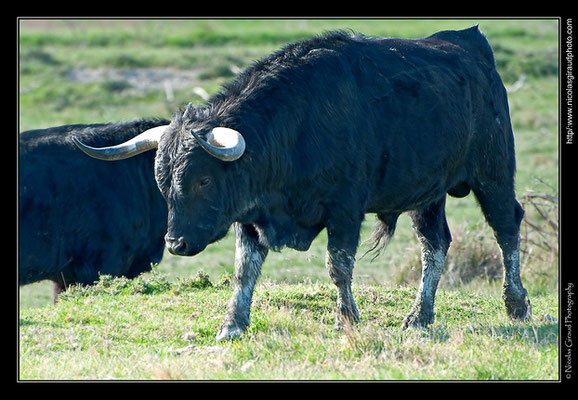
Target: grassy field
{"points": [[150, 328], [162, 325]]}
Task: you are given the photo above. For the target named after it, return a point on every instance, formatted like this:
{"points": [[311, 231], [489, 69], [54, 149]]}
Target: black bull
{"points": [[331, 128], [70, 229]]}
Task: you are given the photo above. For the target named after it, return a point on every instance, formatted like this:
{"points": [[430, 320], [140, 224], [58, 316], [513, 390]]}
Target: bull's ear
{"points": [[145, 141], [226, 144], [187, 113]]}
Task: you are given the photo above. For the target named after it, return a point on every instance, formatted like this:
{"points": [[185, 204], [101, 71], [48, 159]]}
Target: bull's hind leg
{"points": [[504, 214], [432, 230], [249, 256]]}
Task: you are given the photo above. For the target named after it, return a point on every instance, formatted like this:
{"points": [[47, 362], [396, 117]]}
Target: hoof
{"points": [[229, 333], [417, 320], [520, 311], [518, 305], [344, 323]]}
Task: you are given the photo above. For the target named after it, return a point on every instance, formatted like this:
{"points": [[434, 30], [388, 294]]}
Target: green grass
{"points": [[50, 48], [149, 328], [162, 325]]}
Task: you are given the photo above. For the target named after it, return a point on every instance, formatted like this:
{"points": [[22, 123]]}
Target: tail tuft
{"points": [[382, 233]]}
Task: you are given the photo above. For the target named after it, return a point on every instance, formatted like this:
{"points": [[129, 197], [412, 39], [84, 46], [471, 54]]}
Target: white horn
{"points": [[226, 144], [145, 141]]}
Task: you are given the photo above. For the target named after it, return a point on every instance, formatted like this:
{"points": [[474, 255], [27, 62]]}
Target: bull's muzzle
{"points": [[177, 246], [182, 247]]}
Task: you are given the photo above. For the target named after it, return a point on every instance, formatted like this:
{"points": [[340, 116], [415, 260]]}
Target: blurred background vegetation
{"points": [[89, 71]]}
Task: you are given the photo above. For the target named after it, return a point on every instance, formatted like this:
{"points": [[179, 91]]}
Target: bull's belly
{"points": [[278, 232], [410, 197]]}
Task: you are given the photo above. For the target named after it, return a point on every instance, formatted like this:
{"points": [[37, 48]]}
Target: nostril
{"points": [[176, 246], [180, 245]]}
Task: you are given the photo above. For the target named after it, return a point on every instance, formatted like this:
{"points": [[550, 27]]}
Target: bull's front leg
{"points": [[340, 259], [249, 256]]}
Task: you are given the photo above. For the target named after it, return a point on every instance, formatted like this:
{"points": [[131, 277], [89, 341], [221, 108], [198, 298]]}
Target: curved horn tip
{"points": [[101, 154], [145, 141]]}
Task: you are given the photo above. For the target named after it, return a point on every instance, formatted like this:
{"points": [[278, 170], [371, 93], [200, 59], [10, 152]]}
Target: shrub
{"points": [[475, 254]]}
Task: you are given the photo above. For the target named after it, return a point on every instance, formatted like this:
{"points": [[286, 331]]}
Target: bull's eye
{"points": [[204, 181]]}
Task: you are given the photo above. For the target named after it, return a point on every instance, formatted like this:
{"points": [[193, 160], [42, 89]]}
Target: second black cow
{"points": [[70, 229]]}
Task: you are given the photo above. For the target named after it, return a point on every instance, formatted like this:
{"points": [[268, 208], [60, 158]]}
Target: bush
{"points": [[539, 237], [474, 253]]}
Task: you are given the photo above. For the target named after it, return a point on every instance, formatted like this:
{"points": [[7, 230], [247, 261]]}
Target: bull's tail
{"points": [[382, 233]]}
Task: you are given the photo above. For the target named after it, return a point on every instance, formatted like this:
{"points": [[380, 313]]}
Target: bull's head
{"points": [[191, 174]]}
